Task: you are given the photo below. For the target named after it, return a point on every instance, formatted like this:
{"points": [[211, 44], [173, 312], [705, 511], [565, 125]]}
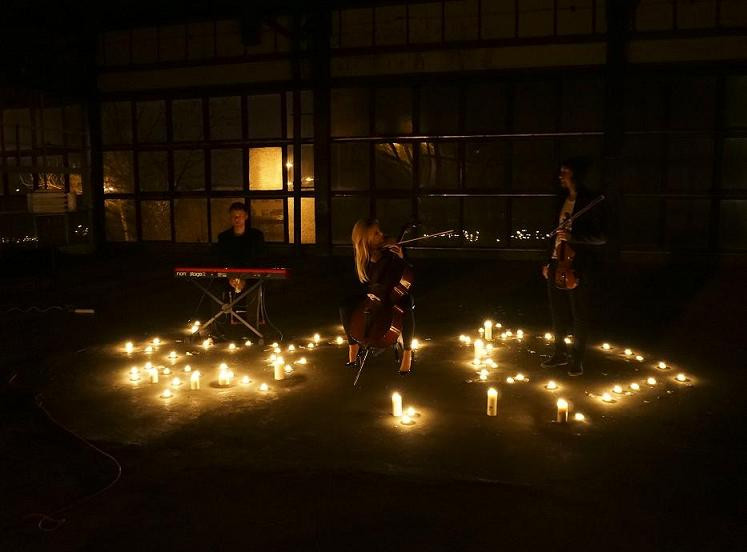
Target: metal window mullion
{"points": [[136, 171]]}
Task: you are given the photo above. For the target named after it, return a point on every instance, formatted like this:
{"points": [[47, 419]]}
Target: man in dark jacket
{"points": [[239, 246], [585, 236]]}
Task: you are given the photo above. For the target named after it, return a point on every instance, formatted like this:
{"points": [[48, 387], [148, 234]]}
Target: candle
{"points": [[276, 350], [172, 355], [509, 379], [492, 402], [467, 340], [291, 348], [232, 346], [548, 336], [579, 417], [414, 344], [411, 411], [310, 346], [245, 380], [129, 347], [194, 329], [606, 347], [481, 331], [153, 375], [187, 368], [498, 325], [651, 381], [166, 394], [462, 338], [176, 382], [317, 338], [134, 374], [194, 380], [606, 397], [551, 385], [264, 387], [396, 404], [681, 378], [628, 352], [206, 344], [247, 343], [477, 361], [148, 350], [156, 341], [519, 377], [301, 360], [662, 365], [279, 373], [149, 366], [273, 357], [166, 371], [274, 345], [639, 358], [288, 369], [488, 331], [406, 420], [339, 340], [509, 333], [519, 334], [489, 348], [562, 416], [483, 375], [635, 387], [567, 340], [490, 362]]}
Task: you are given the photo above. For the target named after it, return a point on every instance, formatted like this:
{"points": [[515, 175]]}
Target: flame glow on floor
{"points": [[169, 370]]}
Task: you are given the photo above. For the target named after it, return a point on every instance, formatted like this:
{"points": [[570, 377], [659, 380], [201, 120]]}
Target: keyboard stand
{"points": [[228, 308]]}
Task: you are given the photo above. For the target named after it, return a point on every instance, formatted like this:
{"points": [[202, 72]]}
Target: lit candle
{"points": [[276, 350], [579, 417], [489, 348], [149, 366], [134, 374], [462, 338], [172, 355], [301, 360], [288, 369], [662, 365], [176, 382], [194, 380], [628, 352], [273, 357], [156, 341], [206, 344], [414, 344], [548, 336], [567, 340], [274, 344], [492, 402], [232, 346], [519, 334], [187, 368], [651, 381], [498, 325], [490, 362], [279, 372], [264, 387], [606, 347], [411, 411], [245, 380], [406, 420], [129, 347], [310, 346], [291, 348], [551, 385], [639, 358], [194, 329], [483, 375], [167, 394], [606, 397], [317, 338], [562, 416], [681, 378], [488, 325], [467, 340], [153, 375], [247, 343], [509, 379], [148, 350], [477, 361], [520, 377], [396, 404], [339, 340], [509, 333], [481, 331], [635, 387], [166, 371]]}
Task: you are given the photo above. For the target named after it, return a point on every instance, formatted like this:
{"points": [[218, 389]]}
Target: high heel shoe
{"points": [[412, 367], [353, 364]]}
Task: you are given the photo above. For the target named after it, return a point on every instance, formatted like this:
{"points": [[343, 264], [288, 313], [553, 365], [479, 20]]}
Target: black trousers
{"points": [[349, 304], [570, 314]]}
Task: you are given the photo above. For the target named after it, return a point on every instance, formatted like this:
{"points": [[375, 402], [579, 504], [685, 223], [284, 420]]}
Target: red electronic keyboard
{"points": [[197, 274]]}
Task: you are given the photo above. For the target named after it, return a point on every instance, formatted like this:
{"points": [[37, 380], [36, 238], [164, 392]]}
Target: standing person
{"points": [[585, 236], [375, 255], [239, 246]]}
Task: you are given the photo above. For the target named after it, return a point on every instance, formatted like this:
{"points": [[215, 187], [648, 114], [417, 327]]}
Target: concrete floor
{"points": [[316, 464]]}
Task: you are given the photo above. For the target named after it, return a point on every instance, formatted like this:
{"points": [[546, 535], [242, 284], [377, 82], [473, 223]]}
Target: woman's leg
{"points": [[347, 306], [408, 332]]}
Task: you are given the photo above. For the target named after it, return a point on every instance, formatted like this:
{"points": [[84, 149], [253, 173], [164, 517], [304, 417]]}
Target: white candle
{"points": [[606, 346], [411, 411], [579, 417], [520, 377], [279, 372], [148, 350], [519, 334], [562, 416], [481, 331], [606, 397], [187, 368], [551, 385], [662, 365], [153, 375], [651, 381], [483, 375], [309, 345], [172, 355], [567, 340], [245, 380], [492, 402], [176, 382], [617, 389], [194, 380], [276, 350], [639, 358], [264, 387], [288, 369], [396, 404], [488, 325], [301, 360], [509, 379], [156, 341], [167, 394], [129, 347], [232, 346], [166, 371], [291, 348], [681, 378], [317, 338], [406, 420], [247, 343], [628, 352], [635, 387], [548, 336]]}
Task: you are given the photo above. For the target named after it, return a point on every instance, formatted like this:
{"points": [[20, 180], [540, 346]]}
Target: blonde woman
{"points": [[374, 255]]}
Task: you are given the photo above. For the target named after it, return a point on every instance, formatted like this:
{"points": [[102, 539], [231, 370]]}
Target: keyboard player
{"points": [[240, 246]]}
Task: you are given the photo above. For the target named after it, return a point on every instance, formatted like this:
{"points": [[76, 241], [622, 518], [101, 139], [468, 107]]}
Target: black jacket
{"points": [[588, 232], [245, 250]]}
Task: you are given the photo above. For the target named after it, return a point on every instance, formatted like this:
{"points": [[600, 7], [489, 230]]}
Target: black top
{"points": [[383, 274], [587, 232], [245, 250]]}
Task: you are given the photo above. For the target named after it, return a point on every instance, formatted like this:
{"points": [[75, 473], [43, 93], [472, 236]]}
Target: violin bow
{"points": [[580, 212], [445, 232]]}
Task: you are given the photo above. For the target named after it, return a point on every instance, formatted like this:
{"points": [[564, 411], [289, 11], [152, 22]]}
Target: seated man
{"points": [[239, 246]]}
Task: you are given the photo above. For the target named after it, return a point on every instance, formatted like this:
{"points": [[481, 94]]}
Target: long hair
{"points": [[360, 238]]}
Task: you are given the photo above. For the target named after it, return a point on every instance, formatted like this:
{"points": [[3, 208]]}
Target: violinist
{"points": [[585, 235], [376, 261]]}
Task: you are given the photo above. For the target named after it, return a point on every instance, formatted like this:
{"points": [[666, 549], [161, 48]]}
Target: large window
{"points": [[172, 166]]}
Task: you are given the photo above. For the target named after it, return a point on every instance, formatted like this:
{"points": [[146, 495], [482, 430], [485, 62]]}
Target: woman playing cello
{"points": [[376, 261]]}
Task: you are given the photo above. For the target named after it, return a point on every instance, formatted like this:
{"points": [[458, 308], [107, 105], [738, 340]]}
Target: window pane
{"points": [[390, 25], [308, 220], [439, 165], [439, 110], [640, 222], [485, 108], [51, 179], [226, 170], [350, 166], [735, 164], [267, 216], [225, 118], [190, 220], [186, 118], [116, 123], [582, 104], [690, 163], [152, 171], [118, 172], [485, 165], [151, 122], [120, 220], [393, 214], [307, 114], [536, 106], [531, 219], [436, 215], [307, 167], [535, 166], [689, 92], [76, 178], [687, 221], [156, 220], [644, 104], [74, 131], [425, 22], [219, 218], [733, 225], [265, 168], [484, 222], [20, 183], [735, 110], [357, 27], [393, 111], [536, 17], [575, 17], [350, 112], [264, 116], [642, 163], [51, 126], [189, 170], [345, 212], [460, 20], [393, 165]]}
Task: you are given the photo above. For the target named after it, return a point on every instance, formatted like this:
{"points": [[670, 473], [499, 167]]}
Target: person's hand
{"points": [[564, 235], [397, 250], [237, 284], [373, 298], [546, 271]]}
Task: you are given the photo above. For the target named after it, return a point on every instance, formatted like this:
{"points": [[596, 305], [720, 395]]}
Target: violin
{"points": [[562, 272]]}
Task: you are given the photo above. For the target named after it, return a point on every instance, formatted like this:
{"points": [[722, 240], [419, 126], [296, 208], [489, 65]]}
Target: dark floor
{"points": [[315, 464]]}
